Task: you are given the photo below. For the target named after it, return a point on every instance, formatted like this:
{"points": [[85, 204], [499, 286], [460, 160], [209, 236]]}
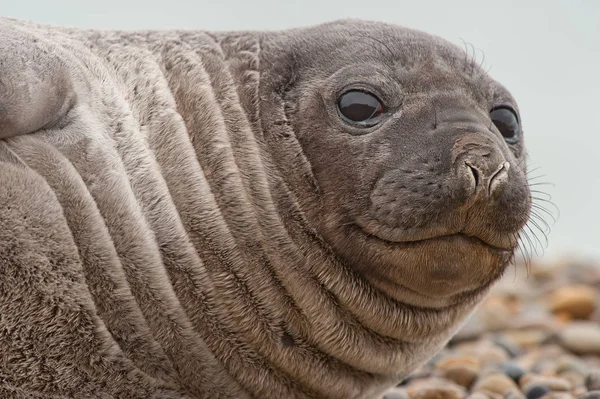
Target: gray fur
{"points": [[179, 211]]}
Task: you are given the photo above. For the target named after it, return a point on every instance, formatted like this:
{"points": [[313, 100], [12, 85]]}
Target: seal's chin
{"points": [[437, 271]]}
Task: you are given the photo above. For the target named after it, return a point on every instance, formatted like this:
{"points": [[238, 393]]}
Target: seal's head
{"points": [[415, 155]]}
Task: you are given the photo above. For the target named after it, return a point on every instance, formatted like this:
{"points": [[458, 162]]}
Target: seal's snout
{"points": [[484, 178]]}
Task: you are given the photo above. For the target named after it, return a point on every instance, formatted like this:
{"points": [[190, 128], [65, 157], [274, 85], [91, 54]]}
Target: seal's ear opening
{"points": [[35, 86], [278, 76], [280, 68]]}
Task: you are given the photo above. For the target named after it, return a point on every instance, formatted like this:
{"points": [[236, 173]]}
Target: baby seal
{"points": [[307, 213]]}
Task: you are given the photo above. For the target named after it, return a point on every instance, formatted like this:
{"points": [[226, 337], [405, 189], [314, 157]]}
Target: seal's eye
{"points": [[506, 121], [360, 108]]}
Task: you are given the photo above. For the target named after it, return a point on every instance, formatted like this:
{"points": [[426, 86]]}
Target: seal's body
{"points": [[302, 214]]}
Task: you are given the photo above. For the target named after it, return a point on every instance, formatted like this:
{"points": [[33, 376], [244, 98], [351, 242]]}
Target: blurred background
{"points": [[547, 53]]}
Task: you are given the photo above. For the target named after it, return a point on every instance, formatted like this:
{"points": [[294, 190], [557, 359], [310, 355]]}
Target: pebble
{"points": [[528, 338], [512, 371], [395, 393], [558, 395], [463, 370], [536, 391], [436, 391], [553, 383], [579, 391], [575, 378], [582, 337], [477, 395], [592, 381], [508, 345], [486, 351], [514, 395], [496, 383], [571, 363], [590, 395], [576, 301]]}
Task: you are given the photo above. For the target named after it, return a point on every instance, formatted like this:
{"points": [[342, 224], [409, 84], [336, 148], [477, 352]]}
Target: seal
{"points": [[306, 213]]}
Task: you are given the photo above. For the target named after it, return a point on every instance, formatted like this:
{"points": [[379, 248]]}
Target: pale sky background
{"points": [[547, 53]]}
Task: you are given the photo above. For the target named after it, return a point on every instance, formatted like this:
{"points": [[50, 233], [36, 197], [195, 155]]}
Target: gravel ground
{"points": [[536, 336]]}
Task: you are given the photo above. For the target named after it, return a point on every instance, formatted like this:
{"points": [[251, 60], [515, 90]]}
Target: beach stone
{"points": [[563, 317], [477, 395], [436, 391], [576, 379], [593, 363], [558, 395], [592, 381], [590, 395], [463, 370], [579, 391], [499, 310], [530, 358], [534, 316], [395, 393], [536, 391], [528, 338], [425, 371], [528, 377], [515, 395], [545, 367], [485, 351], [553, 383], [496, 383], [577, 300], [506, 343], [471, 330], [491, 395], [512, 371], [582, 337], [571, 363]]}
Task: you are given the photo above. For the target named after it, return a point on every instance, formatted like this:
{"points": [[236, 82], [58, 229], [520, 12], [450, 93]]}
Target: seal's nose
{"points": [[485, 176], [481, 167]]}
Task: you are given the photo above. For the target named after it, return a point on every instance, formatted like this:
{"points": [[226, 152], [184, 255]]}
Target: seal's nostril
{"points": [[499, 179], [474, 172]]}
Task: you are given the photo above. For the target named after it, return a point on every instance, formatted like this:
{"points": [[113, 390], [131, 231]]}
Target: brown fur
{"points": [[183, 215]]}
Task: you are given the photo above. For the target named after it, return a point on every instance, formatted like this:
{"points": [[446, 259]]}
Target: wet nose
{"points": [[486, 176]]}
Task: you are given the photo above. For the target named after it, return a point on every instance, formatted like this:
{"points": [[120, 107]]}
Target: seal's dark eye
{"points": [[506, 121], [360, 108]]}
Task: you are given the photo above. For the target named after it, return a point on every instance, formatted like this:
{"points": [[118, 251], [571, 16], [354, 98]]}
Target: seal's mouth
{"points": [[503, 246], [462, 236], [504, 250]]}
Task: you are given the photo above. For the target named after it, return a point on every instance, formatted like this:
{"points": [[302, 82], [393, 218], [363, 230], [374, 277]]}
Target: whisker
{"points": [[542, 220], [473, 59], [546, 211], [531, 246], [524, 254], [536, 240], [541, 231], [532, 177], [544, 183], [547, 201], [548, 196], [482, 60], [529, 171]]}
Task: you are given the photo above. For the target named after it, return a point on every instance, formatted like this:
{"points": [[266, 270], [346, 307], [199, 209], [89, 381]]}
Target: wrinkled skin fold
{"points": [[183, 214]]}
